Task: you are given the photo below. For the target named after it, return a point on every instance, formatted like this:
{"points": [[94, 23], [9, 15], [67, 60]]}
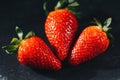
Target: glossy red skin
{"points": [[91, 42], [35, 53], [60, 28]]}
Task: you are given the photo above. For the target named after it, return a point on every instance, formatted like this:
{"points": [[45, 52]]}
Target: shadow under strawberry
{"points": [[85, 71], [69, 72]]}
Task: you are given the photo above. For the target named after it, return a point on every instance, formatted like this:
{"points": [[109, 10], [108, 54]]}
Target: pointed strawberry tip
{"points": [[58, 65], [73, 62], [58, 68], [62, 58]]}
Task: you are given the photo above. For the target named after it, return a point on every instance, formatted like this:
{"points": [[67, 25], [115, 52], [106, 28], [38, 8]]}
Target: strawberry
{"points": [[60, 28], [92, 42], [33, 52]]}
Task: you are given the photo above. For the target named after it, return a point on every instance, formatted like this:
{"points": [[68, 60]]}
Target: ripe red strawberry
{"points": [[60, 28], [92, 41], [34, 52]]}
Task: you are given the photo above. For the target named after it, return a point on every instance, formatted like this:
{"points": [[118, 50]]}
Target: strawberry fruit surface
{"points": [[60, 28], [92, 41], [33, 52]]}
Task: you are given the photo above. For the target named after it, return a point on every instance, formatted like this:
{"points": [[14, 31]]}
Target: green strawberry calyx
{"points": [[71, 5], [15, 42], [105, 27]]}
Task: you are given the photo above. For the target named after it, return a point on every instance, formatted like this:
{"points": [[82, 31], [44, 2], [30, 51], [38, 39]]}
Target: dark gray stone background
{"points": [[29, 15]]}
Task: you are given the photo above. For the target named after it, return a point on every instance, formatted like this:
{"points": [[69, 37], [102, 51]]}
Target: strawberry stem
{"points": [[15, 42], [71, 5], [105, 27], [61, 4]]}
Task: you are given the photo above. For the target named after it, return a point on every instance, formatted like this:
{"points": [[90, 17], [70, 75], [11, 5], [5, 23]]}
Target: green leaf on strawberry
{"points": [[30, 34], [71, 5], [33, 51], [15, 42], [19, 33], [10, 48]]}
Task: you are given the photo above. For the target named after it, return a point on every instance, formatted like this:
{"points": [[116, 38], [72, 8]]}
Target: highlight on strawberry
{"points": [[61, 26], [33, 51], [93, 41]]}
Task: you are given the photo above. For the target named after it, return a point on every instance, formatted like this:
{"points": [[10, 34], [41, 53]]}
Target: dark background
{"points": [[29, 15]]}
